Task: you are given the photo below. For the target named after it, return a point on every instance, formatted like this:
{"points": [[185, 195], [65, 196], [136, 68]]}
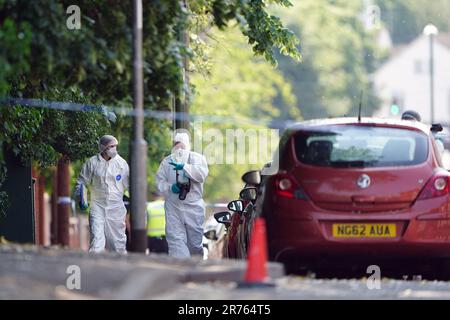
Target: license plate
{"points": [[364, 230]]}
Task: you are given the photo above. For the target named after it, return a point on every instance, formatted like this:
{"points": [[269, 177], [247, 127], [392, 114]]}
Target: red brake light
{"points": [[437, 186]]}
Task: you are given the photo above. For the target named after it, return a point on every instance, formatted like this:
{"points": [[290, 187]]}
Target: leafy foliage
{"points": [[338, 56], [239, 86], [263, 31], [42, 59], [405, 19]]}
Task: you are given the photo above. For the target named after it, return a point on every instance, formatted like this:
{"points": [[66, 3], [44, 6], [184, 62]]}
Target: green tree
{"points": [[238, 87], [405, 19], [42, 59], [338, 55]]}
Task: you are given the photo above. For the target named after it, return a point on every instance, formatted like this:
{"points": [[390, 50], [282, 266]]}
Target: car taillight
{"points": [[285, 186], [437, 186]]}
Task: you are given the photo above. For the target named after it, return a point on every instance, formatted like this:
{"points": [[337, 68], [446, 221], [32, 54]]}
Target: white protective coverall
{"points": [[108, 181], [184, 218]]}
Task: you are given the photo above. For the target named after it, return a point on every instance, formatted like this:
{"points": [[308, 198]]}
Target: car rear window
{"points": [[361, 146]]}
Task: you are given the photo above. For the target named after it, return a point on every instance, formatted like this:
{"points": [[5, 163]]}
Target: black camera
{"points": [[184, 189]]}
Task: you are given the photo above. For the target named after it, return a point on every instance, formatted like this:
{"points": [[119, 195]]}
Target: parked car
{"points": [[238, 223], [444, 137], [249, 196], [347, 188], [224, 217], [213, 236], [244, 210]]}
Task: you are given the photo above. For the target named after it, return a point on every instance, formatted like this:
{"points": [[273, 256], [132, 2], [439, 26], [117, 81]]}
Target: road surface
{"points": [[28, 272]]}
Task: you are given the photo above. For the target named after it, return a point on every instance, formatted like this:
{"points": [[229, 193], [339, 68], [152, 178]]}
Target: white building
{"points": [[405, 79]]}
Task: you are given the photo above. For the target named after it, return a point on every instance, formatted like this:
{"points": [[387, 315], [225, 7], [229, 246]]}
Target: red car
{"points": [[237, 229], [238, 223], [232, 250], [233, 246], [349, 188]]}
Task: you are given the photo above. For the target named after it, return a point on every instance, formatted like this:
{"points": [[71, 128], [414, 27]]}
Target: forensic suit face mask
{"points": [[111, 152], [179, 154]]}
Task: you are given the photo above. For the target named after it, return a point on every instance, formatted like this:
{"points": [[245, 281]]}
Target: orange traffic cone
{"points": [[256, 273]]}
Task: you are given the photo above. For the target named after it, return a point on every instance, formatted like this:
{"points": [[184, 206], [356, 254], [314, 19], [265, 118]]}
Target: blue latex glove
{"points": [[177, 166], [82, 198], [175, 188]]}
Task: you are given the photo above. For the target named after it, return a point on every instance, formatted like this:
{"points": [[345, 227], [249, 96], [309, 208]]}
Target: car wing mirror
{"points": [[252, 177], [223, 217], [249, 193], [236, 206]]}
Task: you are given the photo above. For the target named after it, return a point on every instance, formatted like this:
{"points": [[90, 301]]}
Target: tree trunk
{"points": [[54, 220], [63, 200]]}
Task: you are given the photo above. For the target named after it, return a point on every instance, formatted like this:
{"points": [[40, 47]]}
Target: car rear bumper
{"points": [[280, 250], [306, 232]]}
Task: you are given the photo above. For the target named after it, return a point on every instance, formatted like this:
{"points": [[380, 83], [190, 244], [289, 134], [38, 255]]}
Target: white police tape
{"points": [[110, 112], [216, 205]]}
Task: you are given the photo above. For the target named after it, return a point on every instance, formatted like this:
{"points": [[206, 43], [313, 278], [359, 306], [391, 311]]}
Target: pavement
{"points": [[304, 288], [29, 272]]}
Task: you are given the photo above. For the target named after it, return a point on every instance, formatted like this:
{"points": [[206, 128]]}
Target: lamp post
{"points": [[138, 173], [431, 31]]}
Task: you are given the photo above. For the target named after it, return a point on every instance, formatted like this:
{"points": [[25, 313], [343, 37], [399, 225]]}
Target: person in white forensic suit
{"points": [[180, 179], [107, 176]]}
